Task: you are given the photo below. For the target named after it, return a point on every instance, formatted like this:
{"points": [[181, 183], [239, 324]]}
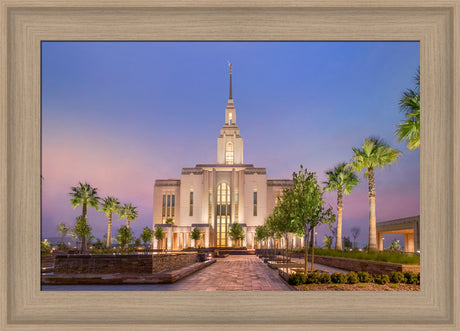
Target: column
{"points": [[170, 238], [380, 241], [245, 240], [406, 243], [206, 238]]}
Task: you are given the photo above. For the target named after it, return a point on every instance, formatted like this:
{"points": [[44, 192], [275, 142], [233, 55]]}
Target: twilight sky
{"points": [[120, 115]]}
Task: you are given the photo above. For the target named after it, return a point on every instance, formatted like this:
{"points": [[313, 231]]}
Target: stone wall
{"points": [[125, 264], [171, 261], [47, 261]]}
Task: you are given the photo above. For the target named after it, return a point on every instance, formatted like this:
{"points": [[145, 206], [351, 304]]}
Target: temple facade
{"points": [[211, 197]]}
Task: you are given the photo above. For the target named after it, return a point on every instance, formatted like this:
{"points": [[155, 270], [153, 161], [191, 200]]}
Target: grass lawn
{"points": [[394, 257]]}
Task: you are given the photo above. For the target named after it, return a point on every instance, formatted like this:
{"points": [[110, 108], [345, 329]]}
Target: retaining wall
{"points": [[111, 264]]}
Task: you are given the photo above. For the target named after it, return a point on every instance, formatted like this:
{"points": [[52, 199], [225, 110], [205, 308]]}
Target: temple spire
{"points": [[230, 92]]}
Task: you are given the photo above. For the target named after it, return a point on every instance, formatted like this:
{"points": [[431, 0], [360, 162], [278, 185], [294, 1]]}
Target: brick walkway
{"points": [[233, 273]]}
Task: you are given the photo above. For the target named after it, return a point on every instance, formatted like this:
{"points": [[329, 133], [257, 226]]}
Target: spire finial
{"points": [[230, 93]]}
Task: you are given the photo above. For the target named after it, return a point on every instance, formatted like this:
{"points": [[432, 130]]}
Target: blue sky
{"points": [[122, 114]]}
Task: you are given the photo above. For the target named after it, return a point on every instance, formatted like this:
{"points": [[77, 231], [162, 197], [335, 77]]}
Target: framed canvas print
{"points": [[59, 60]]}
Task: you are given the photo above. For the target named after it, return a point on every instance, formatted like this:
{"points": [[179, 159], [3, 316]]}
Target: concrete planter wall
{"points": [[111, 264], [372, 267]]}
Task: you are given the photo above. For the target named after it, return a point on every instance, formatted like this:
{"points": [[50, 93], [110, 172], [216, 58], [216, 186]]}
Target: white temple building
{"points": [[211, 197]]}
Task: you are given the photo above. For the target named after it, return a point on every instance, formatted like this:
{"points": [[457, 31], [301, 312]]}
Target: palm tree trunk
{"points": [[109, 231], [372, 218], [84, 214], [338, 240], [127, 223]]}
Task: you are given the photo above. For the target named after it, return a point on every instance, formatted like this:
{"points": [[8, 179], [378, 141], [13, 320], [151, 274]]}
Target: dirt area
{"points": [[357, 287]]}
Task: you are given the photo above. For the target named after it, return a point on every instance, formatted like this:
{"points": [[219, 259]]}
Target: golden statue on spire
{"points": [[230, 66]]}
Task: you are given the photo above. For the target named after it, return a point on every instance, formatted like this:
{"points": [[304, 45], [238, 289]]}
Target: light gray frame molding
{"points": [[25, 23]]}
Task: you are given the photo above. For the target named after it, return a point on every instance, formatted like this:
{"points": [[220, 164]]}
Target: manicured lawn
{"points": [[393, 257]]}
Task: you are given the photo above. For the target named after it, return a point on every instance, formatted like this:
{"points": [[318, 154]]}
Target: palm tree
{"points": [[341, 179], [159, 235], [110, 206], [374, 153], [84, 195], [409, 103], [129, 212]]}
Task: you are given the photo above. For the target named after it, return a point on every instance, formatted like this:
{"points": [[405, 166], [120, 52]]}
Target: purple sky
{"points": [[120, 115]]}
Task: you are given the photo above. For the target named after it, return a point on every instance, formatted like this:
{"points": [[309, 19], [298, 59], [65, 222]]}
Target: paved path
{"points": [[233, 273]]}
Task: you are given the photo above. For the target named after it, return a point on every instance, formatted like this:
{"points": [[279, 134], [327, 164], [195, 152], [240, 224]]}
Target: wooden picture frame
{"points": [[25, 23]]}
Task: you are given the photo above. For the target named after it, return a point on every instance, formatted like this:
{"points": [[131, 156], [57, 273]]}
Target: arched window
{"points": [[230, 118], [229, 153]]}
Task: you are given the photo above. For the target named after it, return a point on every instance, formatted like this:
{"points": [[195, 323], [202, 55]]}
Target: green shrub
{"points": [[364, 277], [45, 245], [395, 286], [61, 246], [314, 278], [381, 279], [339, 278], [297, 279], [410, 278], [397, 277], [325, 278], [352, 278]]}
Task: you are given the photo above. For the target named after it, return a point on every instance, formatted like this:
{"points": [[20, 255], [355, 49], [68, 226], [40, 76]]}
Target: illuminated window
{"points": [[230, 118], [223, 214], [236, 206], [168, 208], [229, 153], [210, 209], [255, 204], [191, 204]]}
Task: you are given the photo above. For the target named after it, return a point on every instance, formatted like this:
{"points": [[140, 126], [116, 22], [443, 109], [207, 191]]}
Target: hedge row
{"points": [[353, 278]]}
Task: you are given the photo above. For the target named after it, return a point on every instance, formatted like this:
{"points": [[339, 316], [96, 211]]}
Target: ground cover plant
{"points": [[317, 277]]}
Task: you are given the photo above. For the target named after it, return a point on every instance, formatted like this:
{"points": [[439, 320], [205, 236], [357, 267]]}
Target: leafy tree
{"points": [[84, 195], [341, 179], [327, 241], [169, 221], [304, 201], [110, 206], [374, 153], [82, 230], [98, 244], [355, 233], [195, 235], [409, 103], [159, 235], [146, 235], [261, 234], [137, 242], [272, 230], [63, 230], [125, 236], [45, 245], [236, 233], [347, 244], [128, 212], [395, 246]]}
